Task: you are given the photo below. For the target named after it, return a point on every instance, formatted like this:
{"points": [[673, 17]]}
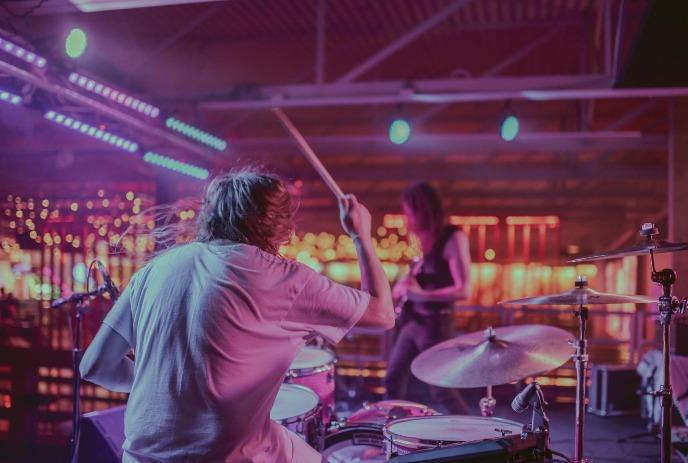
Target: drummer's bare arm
{"points": [[458, 255], [357, 222], [105, 362]]}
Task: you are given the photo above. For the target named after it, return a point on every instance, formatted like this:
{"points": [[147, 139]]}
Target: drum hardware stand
{"points": [[540, 427], [581, 359], [80, 305], [488, 403], [668, 305], [539, 423]]}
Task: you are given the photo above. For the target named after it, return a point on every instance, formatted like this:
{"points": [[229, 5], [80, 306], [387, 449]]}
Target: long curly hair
{"points": [[246, 205]]}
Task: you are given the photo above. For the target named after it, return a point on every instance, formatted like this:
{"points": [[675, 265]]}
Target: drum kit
{"points": [[401, 431]]}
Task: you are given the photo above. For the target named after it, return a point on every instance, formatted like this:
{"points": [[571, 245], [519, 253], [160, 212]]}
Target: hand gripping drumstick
{"points": [[308, 152]]}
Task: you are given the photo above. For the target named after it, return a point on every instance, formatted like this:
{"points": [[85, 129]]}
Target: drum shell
{"points": [[307, 424], [320, 379]]}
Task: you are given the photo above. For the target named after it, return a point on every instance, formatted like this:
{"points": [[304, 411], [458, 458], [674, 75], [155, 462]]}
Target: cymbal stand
{"points": [[488, 403], [580, 358], [668, 305]]}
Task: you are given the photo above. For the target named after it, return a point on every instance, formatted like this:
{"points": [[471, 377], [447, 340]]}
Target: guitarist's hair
{"points": [[426, 204]]}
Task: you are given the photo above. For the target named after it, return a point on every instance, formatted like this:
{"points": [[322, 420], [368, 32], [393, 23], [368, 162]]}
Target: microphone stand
{"points": [[532, 396], [80, 304], [540, 427]]}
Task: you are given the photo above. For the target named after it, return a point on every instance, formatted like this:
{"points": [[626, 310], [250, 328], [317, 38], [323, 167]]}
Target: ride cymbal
{"points": [[493, 357]]}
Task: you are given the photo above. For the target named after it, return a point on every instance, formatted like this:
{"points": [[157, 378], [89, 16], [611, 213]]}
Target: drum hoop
{"points": [[299, 372], [400, 439], [307, 414], [303, 417]]}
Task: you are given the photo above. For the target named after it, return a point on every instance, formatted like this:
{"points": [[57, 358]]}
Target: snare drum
{"points": [[387, 410], [412, 434], [297, 408], [314, 368]]}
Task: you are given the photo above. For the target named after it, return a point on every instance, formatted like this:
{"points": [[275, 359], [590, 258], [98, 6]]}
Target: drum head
{"points": [[311, 357], [451, 428], [360, 443], [293, 401], [386, 410]]}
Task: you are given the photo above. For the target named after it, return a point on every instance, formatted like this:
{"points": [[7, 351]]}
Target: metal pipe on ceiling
{"points": [[77, 98]]}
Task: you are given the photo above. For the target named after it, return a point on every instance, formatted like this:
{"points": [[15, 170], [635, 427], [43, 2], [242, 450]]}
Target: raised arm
{"points": [[356, 221]]}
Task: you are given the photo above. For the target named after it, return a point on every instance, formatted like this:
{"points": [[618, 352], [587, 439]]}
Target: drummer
{"points": [[216, 323], [430, 290]]}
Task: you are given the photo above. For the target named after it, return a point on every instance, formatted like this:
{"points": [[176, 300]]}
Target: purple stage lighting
{"points": [[113, 94], [22, 53], [91, 131]]}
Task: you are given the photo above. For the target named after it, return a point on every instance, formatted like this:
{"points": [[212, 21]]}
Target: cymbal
{"points": [[493, 357], [657, 246], [582, 296], [649, 242]]}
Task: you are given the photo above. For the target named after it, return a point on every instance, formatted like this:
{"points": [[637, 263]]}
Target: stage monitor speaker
{"points": [[614, 390], [102, 436]]}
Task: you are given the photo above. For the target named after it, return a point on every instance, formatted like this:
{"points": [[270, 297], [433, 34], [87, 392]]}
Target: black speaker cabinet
{"points": [[102, 436], [613, 390]]}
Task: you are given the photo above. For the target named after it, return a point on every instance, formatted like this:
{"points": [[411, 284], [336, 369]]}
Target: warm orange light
{"points": [[394, 220], [551, 220], [490, 254], [473, 220]]}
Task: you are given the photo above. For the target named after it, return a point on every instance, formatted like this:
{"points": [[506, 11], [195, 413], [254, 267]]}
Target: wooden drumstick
{"points": [[308, 152]]}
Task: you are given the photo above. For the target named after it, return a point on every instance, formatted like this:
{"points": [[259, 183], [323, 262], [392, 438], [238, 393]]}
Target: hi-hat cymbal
{"points": [[581, 296], [650, 242], [493, 357], [657, 246]]}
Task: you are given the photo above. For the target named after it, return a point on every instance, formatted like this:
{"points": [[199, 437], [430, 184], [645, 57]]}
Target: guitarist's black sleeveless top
{"points": [[434, 273]]}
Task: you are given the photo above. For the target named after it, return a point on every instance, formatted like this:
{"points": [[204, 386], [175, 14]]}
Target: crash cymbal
{"points": [[493, 357], [649, 242], [581, 296]]}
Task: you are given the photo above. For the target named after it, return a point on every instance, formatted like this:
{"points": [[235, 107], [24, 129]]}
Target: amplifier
{"points": [[613, 390]]}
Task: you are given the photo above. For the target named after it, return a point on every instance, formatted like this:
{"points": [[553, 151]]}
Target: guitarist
{"points": [[430, 290]]}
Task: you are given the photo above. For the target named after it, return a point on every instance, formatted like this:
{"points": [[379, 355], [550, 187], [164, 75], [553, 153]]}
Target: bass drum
{"points": [[356, 443], [382, 412]]}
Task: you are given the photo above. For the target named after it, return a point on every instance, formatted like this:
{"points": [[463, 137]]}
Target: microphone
{"points": [[77, 297], [525, 398], [110, 287]]}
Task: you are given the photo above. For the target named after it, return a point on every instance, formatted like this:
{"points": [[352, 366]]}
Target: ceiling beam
{"points": [[402, 41], [430, 91], [466, 143]]}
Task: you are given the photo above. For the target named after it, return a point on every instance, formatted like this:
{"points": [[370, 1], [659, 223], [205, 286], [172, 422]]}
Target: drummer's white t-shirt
{"points": [[215, 327]]}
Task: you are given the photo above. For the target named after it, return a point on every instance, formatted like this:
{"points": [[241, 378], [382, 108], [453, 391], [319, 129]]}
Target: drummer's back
{"points": [[210, 351]]}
